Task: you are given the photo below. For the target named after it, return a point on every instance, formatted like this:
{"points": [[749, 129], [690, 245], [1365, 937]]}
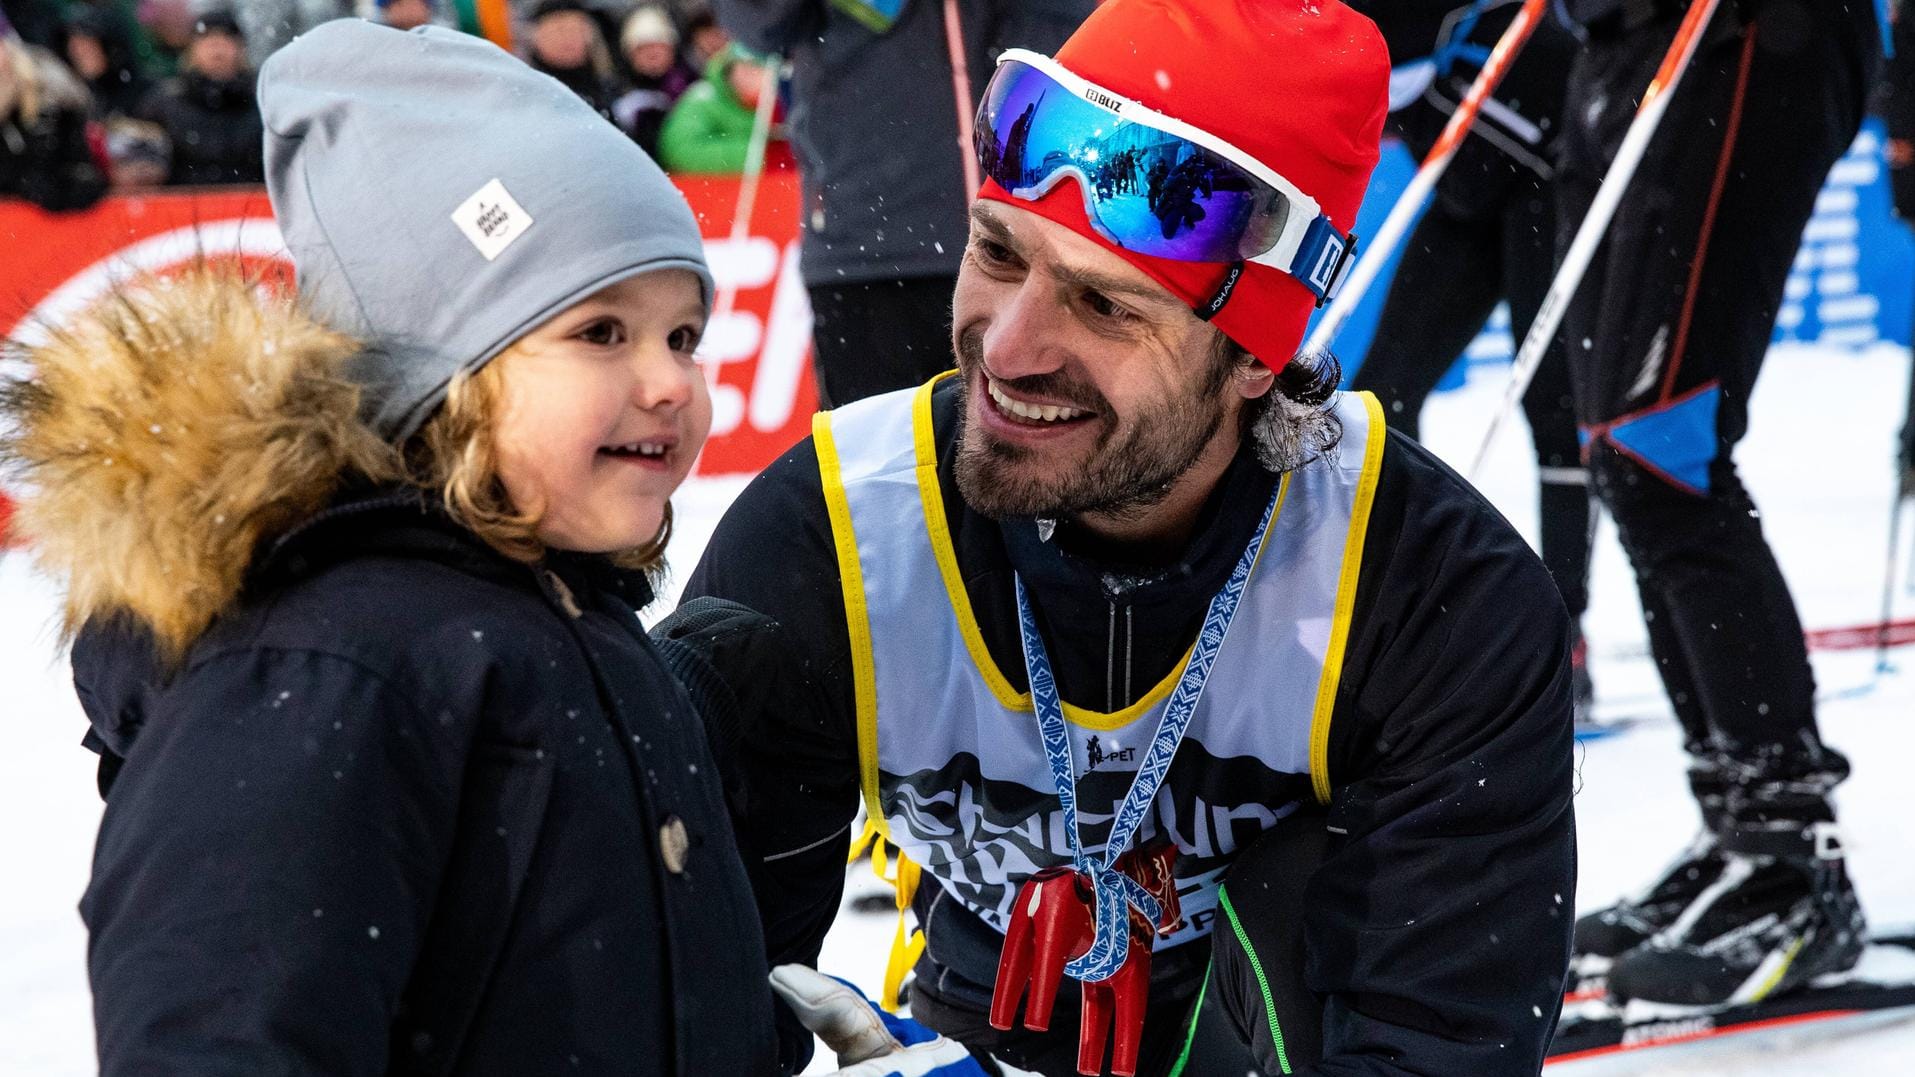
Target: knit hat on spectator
{"points": [[1300, 85], [647, 26], [441, 199]]}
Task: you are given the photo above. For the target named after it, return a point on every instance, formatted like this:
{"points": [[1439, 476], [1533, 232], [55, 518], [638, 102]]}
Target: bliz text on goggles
{"points": [[1151, 184]]}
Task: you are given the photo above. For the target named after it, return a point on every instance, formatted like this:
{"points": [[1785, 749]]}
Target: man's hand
{"points": [[868, 1041], [1898, 152]]}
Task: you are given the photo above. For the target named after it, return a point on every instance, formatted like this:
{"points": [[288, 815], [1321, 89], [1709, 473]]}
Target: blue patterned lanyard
{"points": [[1111, 945]]}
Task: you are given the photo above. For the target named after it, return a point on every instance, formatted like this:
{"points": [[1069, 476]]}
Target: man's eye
{"points": [[1102, 306], [603, 333], [994, 253]]}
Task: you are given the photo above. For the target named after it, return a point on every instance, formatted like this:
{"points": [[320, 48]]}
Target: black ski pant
{"points": [[1249, 1012], [875, 336], [1668, 332], [1492, 239]]}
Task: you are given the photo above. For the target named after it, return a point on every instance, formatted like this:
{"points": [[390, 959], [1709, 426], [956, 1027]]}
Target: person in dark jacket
{"points": [[568, 44], [963, 603], [46, 155], [1670, 327], [394, 781], [99, 48], [874, 122], [648, 42], [210, 111]]}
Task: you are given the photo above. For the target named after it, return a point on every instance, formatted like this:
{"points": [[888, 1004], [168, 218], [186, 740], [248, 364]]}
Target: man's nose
{"points": [[1026, 337]]}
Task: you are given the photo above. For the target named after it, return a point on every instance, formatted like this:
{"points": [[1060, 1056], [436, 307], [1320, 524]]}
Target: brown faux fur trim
{"points": [[158, 438]]}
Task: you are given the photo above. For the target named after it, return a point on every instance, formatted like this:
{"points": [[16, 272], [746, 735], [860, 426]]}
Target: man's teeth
{"points": [[1035, 412], [641, 448]]}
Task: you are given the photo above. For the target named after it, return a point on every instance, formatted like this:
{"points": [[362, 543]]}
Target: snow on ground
{"points": [[1817, 463]]}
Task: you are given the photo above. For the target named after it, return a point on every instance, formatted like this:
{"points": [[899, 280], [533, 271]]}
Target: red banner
{"points": [[757, 354]]}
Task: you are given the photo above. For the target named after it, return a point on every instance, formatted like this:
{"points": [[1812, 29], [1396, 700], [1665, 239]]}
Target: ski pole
{"points": [[728, 406], [748, 188], [1888, 583], [961, 89], [1549, 316], [1410, 204]]}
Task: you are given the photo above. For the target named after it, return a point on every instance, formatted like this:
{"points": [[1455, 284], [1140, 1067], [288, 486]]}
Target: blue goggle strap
{"points": [[1323, 260]]}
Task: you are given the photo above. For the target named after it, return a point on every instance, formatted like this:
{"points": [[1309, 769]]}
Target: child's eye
{"points": [[684, 339], [603, 333]]}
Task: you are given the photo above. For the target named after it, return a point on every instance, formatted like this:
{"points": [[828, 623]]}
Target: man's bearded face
{"points": [[1117, 462], [1088, 388]]}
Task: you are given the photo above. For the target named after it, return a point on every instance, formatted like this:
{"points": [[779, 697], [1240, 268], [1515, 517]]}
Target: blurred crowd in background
{"points": [[100, 96]]}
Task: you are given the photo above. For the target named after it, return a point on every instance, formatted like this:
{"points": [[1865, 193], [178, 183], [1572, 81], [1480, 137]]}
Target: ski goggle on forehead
{"points": [[1152, 184]]}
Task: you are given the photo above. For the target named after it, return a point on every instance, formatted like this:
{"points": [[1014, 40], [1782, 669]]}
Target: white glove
{"points": [[868, 1041]]}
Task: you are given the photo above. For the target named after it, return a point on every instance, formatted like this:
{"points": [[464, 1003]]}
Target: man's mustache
{"points": [[1057, 386]]}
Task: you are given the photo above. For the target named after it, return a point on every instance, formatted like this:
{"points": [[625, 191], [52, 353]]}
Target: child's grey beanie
{"points": [[441, 199]]}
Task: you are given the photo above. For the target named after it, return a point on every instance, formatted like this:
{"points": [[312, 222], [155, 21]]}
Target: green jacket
{"points": [[709, 129]]}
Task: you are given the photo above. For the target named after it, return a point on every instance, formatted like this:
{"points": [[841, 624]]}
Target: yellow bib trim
{"points": [[857, 618], [1346, 601], [906, 945]]}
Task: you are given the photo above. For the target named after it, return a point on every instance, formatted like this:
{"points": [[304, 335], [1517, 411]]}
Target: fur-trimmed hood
{"points": [[156, 440]]}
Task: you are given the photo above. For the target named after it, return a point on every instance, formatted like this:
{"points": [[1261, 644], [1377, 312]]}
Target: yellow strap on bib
{"points": [[906, 947]]}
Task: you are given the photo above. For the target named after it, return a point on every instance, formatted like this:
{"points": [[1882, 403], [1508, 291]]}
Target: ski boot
{"points": [[1608, 933], [1780, 912], [1780, 909]]}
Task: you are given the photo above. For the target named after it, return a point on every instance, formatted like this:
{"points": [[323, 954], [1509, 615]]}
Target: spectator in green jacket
{"points": [[709, 130]]}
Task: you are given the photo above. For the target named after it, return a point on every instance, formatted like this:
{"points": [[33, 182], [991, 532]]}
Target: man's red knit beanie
{"points": [[1301, 85]]}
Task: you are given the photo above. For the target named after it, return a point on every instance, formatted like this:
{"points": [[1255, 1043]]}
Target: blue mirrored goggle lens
{"points": [[1145, 190]]}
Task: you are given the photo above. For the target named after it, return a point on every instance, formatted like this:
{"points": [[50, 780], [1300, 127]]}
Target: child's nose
{"points": [[664, 381]]}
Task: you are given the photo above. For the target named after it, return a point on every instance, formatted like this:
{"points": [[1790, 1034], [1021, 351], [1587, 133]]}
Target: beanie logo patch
{"points": [[492, 219]]}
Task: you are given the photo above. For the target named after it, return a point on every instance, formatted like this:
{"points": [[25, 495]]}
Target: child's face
{"points": [[604, 412]]}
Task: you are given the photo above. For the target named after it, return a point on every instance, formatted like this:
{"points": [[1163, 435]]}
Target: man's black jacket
{"points": [[1438, 927]]}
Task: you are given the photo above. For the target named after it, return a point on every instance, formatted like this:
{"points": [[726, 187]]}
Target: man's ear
{"points": [[1253, 379]]}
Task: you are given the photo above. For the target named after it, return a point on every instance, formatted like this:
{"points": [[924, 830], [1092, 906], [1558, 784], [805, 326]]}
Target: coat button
{"points": [[674, 844]]}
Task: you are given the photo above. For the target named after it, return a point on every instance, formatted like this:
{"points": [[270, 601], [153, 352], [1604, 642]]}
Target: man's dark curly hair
{"points": [[1293, 423]]}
